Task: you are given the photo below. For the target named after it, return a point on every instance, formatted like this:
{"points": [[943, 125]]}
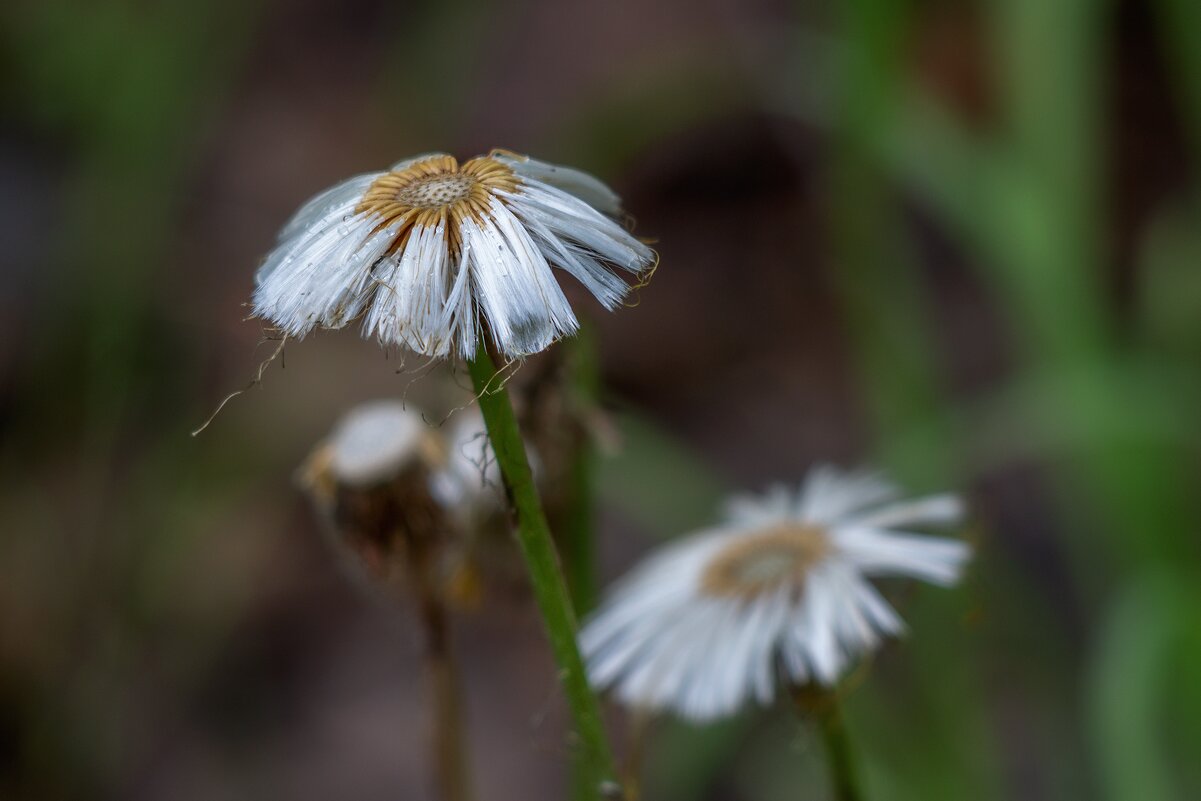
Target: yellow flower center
{"points": [[758, 563], [434, 191]]}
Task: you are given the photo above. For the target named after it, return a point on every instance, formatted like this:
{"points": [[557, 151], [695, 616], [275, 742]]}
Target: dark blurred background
{"points": [[955, 239]]}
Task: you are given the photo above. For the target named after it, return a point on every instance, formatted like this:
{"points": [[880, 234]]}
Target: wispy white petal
{"points": [[413, 304], [327, 208], [582, 265], [575, 182], [773, 506], [830, 495], [325, 280], [885, 553], [575, 221], [937, 510], [525, 308]]}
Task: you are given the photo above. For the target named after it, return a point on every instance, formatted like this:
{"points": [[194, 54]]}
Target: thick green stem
{"points": [[550, 590]]}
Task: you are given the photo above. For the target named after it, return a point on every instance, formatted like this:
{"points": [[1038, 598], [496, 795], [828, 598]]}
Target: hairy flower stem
{"points": [[542, 563], [824, 706]]}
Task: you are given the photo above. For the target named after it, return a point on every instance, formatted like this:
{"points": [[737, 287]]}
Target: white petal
{"points": [[591, 190], [830, 494], [884, 553], [932, 511], [775, 505], [598, 279], [575, 221], [513, 285], [327, 207], [855, 630], [704, 694], [660, 586], [815, 630], [779, 609], [413, 304], [663, 671], [878, 611], [325, 280]]}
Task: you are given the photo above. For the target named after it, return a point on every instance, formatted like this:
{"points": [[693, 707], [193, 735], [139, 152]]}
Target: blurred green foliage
{"points": [[1112, 411]]}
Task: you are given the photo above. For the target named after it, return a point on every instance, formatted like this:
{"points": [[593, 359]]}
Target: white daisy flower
{"points": [[430, 249], [780, 592]]}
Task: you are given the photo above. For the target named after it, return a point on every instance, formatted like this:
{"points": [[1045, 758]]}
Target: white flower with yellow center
{"points": [[780, 592], [424, 251]]}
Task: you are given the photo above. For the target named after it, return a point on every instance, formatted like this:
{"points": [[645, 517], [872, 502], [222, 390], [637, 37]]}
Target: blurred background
{"points": [[957, 239]]}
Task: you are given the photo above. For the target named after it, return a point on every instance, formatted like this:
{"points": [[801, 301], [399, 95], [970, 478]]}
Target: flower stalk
{"points": [[452, 771], [822, 706], [542, 563]]}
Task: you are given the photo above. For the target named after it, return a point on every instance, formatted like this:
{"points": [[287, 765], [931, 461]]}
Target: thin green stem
{"points": [[823, 707], [542, 563], [839, 754]]}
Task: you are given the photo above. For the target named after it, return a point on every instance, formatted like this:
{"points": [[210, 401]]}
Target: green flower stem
{"points": [[839, 753], [550, 590]]}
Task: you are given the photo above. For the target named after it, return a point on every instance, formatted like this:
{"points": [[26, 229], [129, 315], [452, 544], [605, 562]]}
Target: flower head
{"points": [[377, 441], [431, 248], [702, 626], [375, 483]]}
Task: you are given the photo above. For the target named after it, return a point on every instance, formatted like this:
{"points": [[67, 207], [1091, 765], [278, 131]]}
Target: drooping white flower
{"points": [[779, 592], [430, 249]]}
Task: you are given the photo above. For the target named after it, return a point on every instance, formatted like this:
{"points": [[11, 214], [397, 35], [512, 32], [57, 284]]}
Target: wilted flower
{"points": [[430, 249], [397, 493], [374, 480], [377, 441], [704, 625], [471, 480]]}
